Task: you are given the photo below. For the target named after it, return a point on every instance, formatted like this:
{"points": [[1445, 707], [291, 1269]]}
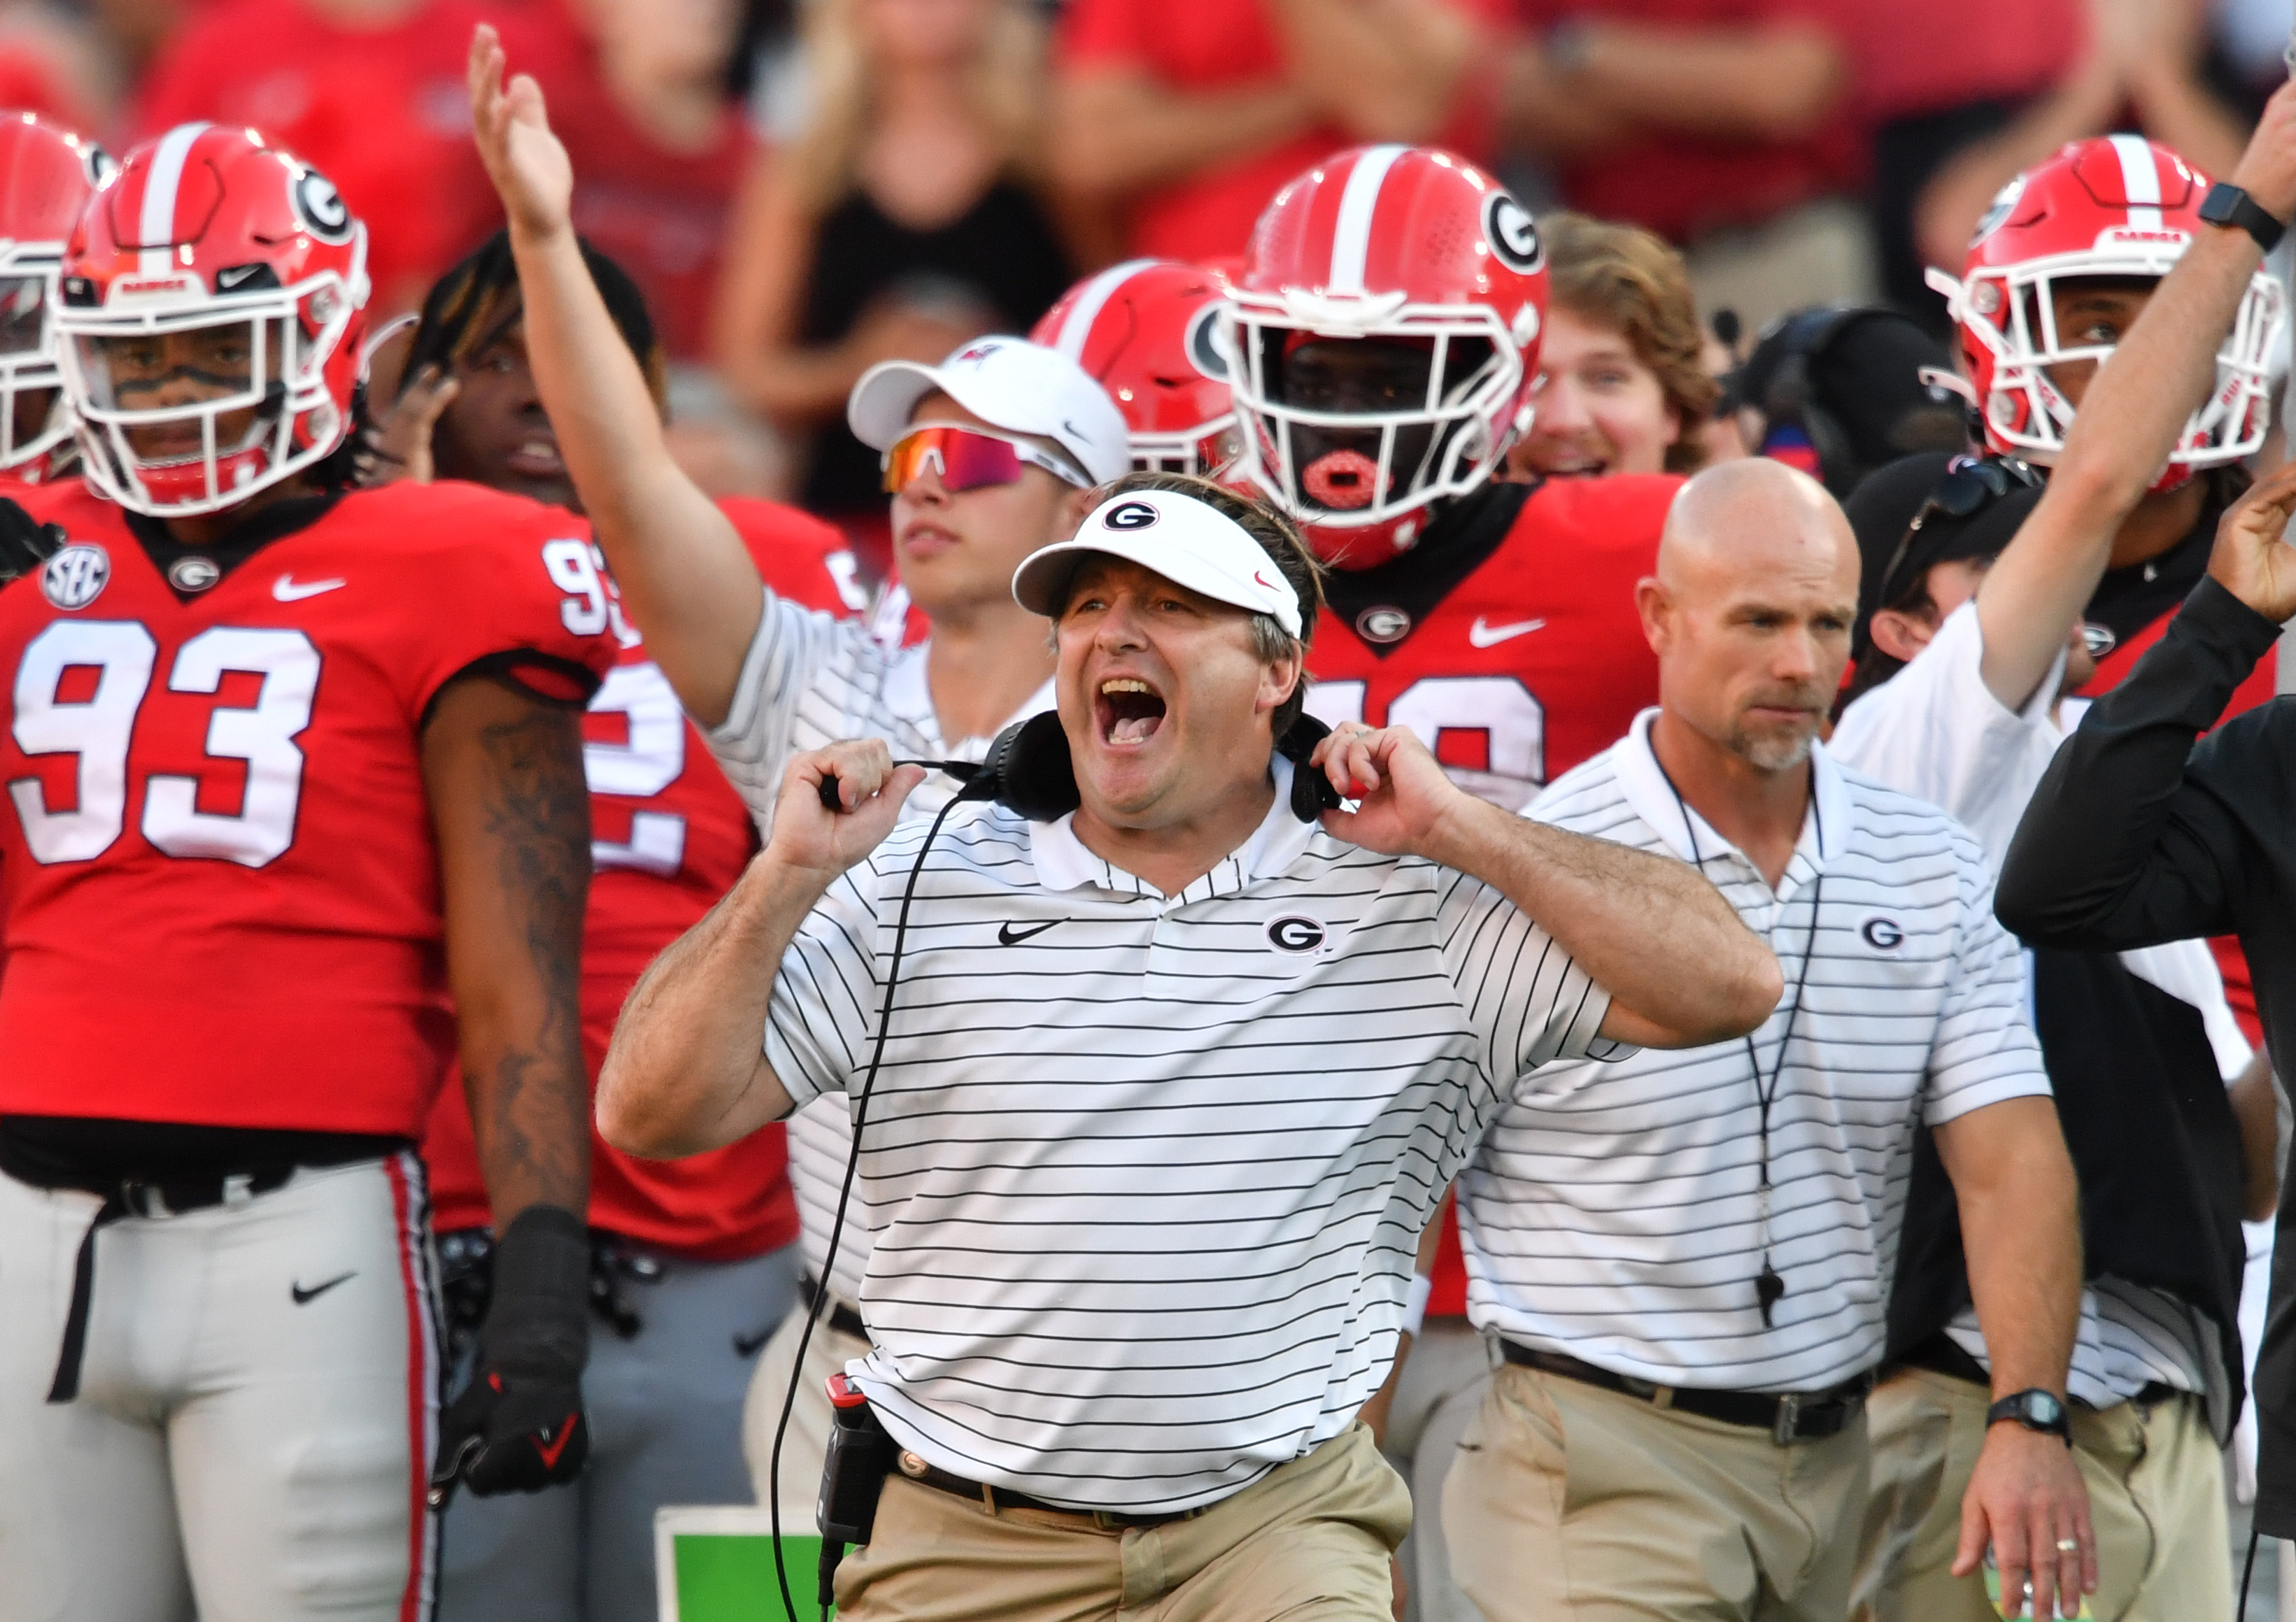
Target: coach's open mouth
{"points": [[1129, 711]]}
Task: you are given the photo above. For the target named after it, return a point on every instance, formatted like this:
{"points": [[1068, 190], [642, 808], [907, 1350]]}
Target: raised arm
{"points": [[1680, 967], [687, 579], [2123, 844], [687, 1069], [2128, 422]]}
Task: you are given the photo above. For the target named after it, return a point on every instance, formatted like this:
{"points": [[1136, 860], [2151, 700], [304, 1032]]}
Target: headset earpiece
{"points": [[1312, 793], [1028, 770]]}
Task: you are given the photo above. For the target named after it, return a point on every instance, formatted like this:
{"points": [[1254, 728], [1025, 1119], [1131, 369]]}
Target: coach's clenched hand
{"points": [[1402, 792], [812, 842]]}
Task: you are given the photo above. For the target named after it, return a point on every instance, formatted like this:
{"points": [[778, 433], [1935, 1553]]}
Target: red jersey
{"points": [[1206, 46], [668, 837], [224, 899], [1530, 664]]}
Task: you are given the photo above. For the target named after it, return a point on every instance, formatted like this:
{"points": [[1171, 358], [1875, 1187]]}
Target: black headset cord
{"points": [[955, 768]]}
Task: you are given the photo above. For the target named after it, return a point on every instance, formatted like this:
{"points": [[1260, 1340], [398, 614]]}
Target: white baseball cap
{"points": [[1010, 384], [1189, 541]]}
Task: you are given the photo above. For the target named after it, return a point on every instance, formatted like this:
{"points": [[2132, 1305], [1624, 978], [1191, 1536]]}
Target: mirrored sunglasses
{"points": [[968, 459]]}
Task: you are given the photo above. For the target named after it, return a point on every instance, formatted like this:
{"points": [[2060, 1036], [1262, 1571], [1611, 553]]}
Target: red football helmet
{"points": [[2113, 206], [1145, 329], [1384, 338], [46, 176], [213, 299]]}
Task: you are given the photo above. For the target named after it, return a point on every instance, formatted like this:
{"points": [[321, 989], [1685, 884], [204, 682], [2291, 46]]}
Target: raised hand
{"points": [[1403, 797], [526, 163], [2252, 559], [400, 439], [811, 839]]}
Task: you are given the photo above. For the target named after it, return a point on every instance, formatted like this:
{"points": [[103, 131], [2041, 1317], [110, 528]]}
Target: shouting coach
{"points": [[1166, 1088]]}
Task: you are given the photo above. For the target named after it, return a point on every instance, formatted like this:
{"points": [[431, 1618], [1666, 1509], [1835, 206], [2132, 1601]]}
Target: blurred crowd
{"points": [[802, 188]]}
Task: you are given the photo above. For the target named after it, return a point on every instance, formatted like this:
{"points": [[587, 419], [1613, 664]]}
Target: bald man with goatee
{"points": [[1686, 1256]]}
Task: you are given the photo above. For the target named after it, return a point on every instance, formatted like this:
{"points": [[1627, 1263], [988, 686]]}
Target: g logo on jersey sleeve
{"points": [[76, 575]]}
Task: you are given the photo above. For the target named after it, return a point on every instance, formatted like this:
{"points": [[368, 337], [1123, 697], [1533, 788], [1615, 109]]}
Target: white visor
{"points": [[1186, 541]]}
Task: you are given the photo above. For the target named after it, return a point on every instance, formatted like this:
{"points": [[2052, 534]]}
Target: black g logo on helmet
{"points": [[1295, 935], [320, 207], [1513, 234], [1130, 515], [1204, 343]]}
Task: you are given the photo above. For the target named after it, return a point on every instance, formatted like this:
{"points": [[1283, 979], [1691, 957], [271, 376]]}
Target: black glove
{"points": [[24, 545], [518, 1426]]}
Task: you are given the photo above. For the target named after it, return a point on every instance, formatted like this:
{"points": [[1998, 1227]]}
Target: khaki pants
{"points": [[1440, 1395], [806, 1445], [1308, 1542], [1570, 1502], [2156, 1497]]}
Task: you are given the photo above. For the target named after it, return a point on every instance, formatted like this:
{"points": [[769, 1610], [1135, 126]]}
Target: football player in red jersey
{"points": [[46, 176], [1384, 347], [692, 1262], [2062, 262], [296, 809]]}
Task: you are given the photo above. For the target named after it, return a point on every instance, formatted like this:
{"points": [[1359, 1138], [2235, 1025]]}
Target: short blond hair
{"points": [[1623, 278]]}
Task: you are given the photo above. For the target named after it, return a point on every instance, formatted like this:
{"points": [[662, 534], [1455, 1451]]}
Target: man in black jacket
{"points": [[2136, 836]]}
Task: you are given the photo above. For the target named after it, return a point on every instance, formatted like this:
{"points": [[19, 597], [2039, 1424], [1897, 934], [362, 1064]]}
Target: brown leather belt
{"points": [[913, 1468], [1789, 1417]]}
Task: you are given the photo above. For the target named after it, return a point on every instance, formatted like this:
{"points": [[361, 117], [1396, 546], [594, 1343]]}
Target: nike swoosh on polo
{"points": [[1483, 635], [285, 589], [303, 1297], [1007, 936]]}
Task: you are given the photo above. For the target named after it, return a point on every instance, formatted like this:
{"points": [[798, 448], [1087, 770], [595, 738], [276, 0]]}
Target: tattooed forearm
{"points": [[513, 814]]}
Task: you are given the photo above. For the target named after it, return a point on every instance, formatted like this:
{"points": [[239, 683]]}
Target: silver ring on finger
{"points": [[2069, 1545]]}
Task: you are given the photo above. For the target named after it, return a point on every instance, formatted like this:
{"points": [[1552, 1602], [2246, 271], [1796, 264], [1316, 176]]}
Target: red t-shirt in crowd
{"points": [[2013, 48], [1683, 185], [669, 837], [658, 214], [1532, 663], [223, 903], [1201, 46], [382, 112]]}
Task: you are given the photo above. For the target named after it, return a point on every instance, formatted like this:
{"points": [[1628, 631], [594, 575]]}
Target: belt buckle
{"points": [[1783, 1427], [143, 1199]]}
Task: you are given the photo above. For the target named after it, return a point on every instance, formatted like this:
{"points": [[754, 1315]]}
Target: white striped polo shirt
{"points": [[1148, 1173], [810, 681], [1611, 1213]]}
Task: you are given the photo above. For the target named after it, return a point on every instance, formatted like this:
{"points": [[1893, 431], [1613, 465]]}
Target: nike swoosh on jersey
{"points": [[285, 589], [1007, 936], [303, 1297], [1483, 635]]}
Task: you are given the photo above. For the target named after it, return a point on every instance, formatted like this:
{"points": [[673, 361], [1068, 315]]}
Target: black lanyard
{"points": [[1769, 1289]]}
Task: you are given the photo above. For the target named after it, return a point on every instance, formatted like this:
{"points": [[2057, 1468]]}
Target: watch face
{"points": [[2043, 1408]]}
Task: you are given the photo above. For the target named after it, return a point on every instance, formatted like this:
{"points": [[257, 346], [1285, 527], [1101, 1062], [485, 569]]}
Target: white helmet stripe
{"points": [[156, 228], [2140, 178], [1092, 299], [1351, 236]]}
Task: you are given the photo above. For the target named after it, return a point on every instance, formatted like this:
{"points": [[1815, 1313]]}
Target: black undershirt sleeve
{"points": [[2134, 837]]}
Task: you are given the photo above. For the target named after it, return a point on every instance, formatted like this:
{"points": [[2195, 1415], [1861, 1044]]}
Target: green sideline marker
{"points": [[715, 1563]]}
